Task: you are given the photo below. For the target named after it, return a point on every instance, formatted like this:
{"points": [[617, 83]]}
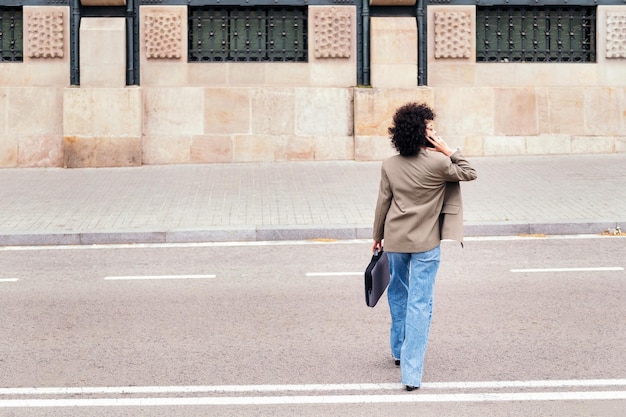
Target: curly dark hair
{"points": [[408, 132]]}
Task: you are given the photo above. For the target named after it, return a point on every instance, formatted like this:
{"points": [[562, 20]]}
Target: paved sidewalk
{"points": [[295, 200]]}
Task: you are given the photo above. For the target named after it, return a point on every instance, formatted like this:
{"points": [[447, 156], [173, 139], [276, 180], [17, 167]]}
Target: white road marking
{"points": [[332, 274], [282, 243], [195, 389], [8, 279], [591, 269], [418, 397], [155, 277]]}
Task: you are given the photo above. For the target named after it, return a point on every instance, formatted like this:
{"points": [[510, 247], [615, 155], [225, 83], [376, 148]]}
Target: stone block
{"points": [[453, 30], [565, 109], [333, 147], [166, 149], [605, 111], [83, 152], [173, 111], [323, 111], [332, 32], [102, 112], [164, 34], [373, 148], [333, 73], [246, 74], [451, 73], [374, 107], [515, 111], [211, 75], [40, 151], [393, 75], [288, 75], [293, 148], [273, 111], [593, 144], [8, 150], [393, 40], [226, 110], [212, 149], [164, 74], [464, 111], [504, 145], [102, 52], [253, 148], [393, 52], [35, 110], [620, 145], [46, 33], [548, 145]]}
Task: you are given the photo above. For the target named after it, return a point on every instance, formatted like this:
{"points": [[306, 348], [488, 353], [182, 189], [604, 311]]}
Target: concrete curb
{"points": [[278, 233]]}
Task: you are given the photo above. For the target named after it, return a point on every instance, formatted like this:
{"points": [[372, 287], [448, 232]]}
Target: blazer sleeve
{"points": [[382, 206], [459, 169]]}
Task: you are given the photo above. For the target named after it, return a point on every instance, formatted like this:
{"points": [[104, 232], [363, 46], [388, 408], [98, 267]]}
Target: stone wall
{"points": [[186, 112]]}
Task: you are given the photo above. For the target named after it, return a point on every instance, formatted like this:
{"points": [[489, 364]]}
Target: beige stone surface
{"points": [[173, 111], [212, 74], [323, 111], [333, 147], [164, 32], [464, 111], [565, 107], [332, 32], [515, 111], [102, 112], [372, 148], [246, 74], [470, 145], [82, 152], [333, 73], [393, 52], [253, 148], [164, 74], [451, 73], [288, 75], [273, 111], [40, 151], [374, 107], [294, 148], [102, 52], [226, 110], [593, 144], [33, 110], [620, 144], [8, 150], [212, 149], [605, 111], [504, 145], [445, 41], [166, 149], [548, 145], [46, 34]]}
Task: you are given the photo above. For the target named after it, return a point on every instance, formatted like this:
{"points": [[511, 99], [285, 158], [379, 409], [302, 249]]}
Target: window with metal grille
{"points": [[266, 34], [11, 34], [536, 34]]}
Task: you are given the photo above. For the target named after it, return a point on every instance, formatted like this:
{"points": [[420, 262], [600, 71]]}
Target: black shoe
{"points": [[397, 362], [411, 388]]}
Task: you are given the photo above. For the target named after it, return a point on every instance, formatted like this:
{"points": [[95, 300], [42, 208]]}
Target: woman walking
{"points": [[419, 204]]}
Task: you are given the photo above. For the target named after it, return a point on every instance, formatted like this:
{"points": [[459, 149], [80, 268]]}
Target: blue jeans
{"points": [[410, 295]]}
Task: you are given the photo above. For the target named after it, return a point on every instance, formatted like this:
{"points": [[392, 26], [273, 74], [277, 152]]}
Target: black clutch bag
{"points": [[376, 278]]}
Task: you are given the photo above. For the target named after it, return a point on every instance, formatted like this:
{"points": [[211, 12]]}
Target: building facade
{"points": [[97, 83]]}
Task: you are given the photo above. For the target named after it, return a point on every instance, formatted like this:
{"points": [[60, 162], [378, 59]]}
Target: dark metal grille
{"points": [[254, 34], [536, 34], [11, 34]]}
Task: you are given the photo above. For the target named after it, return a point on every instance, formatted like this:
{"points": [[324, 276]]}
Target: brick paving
{"points": [[295, 200]]}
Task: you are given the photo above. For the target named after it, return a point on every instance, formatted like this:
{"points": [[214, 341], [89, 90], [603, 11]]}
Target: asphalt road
{"points": [[521, 327]]}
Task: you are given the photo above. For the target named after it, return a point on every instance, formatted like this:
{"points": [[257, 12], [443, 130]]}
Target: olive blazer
{"points": [[419, 201]]}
